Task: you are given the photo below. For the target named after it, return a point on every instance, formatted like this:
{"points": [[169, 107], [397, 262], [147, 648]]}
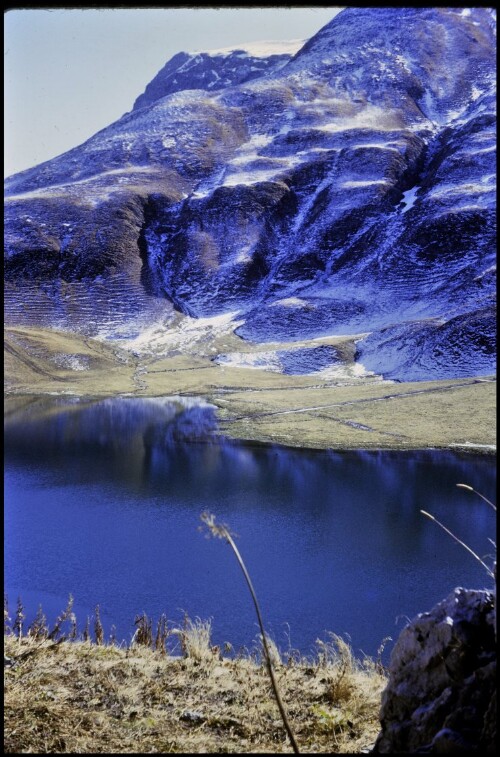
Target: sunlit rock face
{"points": [[347, 189]]}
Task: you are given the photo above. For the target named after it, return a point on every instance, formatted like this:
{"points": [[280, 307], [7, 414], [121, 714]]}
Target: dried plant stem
{"points": [[459, 541], [469, 488], [264, 642], [222, 532]]}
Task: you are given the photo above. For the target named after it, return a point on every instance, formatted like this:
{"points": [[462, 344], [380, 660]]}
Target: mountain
{"points": [[348, 188]]}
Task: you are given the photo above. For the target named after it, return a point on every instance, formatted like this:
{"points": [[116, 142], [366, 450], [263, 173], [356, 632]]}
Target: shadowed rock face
{"points": [[349, 189], [441, 694]]}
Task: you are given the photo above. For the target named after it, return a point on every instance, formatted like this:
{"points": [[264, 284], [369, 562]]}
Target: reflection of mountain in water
{"points": [[174, 442], [121, 433], [347, 189]]}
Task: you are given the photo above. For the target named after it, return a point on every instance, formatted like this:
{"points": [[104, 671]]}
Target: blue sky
{"points": [[71, 72]]}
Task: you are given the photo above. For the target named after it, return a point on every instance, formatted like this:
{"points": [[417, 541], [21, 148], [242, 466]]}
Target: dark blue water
{"points": [[103, 501]]}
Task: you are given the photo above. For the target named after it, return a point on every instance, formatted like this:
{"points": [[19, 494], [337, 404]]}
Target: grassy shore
{"points": [[344, 411], [80, 697]]}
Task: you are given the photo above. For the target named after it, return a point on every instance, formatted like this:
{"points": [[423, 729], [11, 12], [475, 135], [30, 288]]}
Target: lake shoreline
{"points": [[312, 411], [467, 450]]}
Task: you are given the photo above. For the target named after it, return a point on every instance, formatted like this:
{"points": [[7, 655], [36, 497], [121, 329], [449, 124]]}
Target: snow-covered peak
{"points": [[262, 49]]}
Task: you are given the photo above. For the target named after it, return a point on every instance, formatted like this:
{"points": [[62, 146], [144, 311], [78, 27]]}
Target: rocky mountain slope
{"points": [[216, 69], [347, 189]]}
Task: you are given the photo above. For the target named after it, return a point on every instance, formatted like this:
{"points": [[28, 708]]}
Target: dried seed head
{"points": [[219, 531]]}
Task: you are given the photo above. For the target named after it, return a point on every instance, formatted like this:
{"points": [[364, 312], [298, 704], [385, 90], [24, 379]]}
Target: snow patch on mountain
{"points": [[322, 362], [262, 49], [409, 199], [161, 338]]}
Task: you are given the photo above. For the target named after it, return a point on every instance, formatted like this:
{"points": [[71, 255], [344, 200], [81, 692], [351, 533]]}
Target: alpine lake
{"points": [[103, 501]]}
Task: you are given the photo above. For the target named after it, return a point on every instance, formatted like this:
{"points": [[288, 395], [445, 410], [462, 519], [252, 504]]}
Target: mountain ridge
{"points": [[355, 178]]}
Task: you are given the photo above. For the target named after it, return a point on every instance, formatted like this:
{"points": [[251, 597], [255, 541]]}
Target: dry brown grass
{"points": [[79, 697]]}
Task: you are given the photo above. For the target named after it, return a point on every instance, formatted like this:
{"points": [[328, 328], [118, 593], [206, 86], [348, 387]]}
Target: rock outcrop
{"points": [[209, 71], [349, 189], [441, 695]]}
